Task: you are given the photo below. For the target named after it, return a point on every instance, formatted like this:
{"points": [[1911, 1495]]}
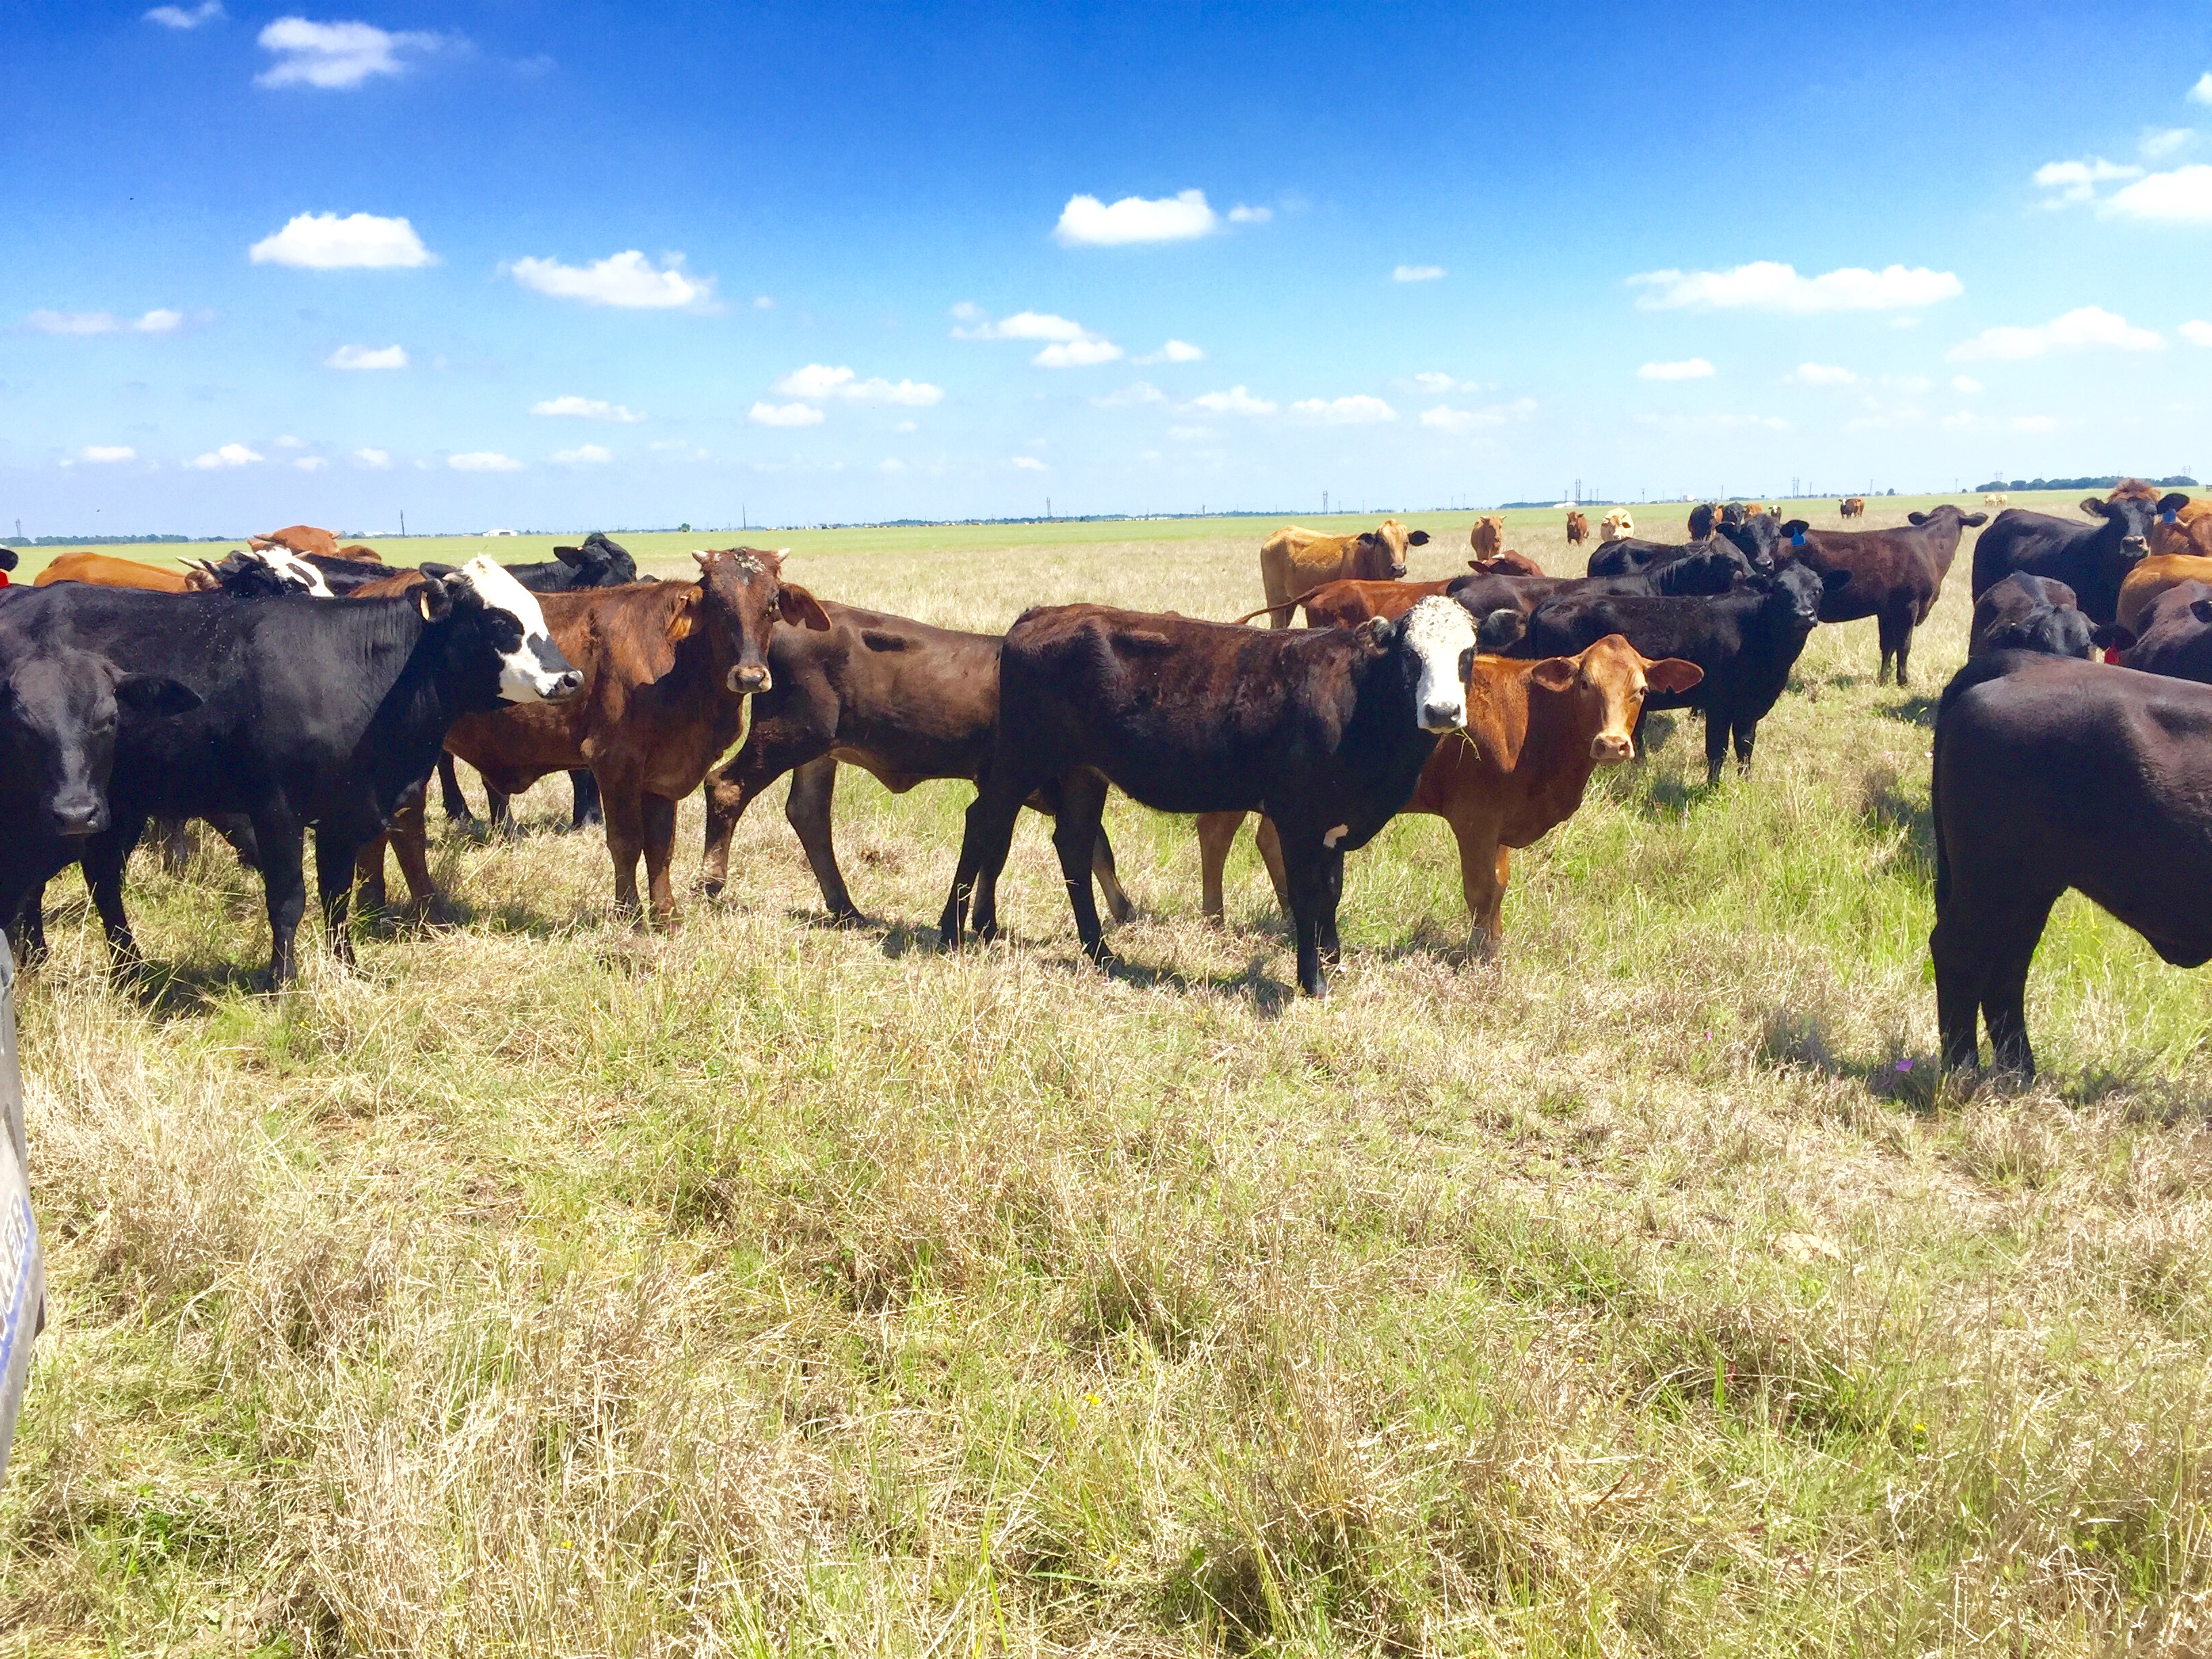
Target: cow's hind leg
{"points": [[2004, 989], [449, 793], [1217, 834], [657, 817], [988, 832], [334, 876], [808, 809], [285, 888], [1717, 743], [584, 811], [1746, 733], [1110, 879], [1075, 832]]}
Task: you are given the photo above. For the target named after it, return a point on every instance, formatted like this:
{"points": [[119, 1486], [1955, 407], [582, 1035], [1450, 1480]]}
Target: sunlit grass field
{"points": [[548, 1287]]}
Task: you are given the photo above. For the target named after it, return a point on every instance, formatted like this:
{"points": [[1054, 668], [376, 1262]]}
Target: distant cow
{"points": [[1536, 731], [2172, 635], [1747, 641], [1615, 524], [1326, 730], [1577, 529], [1507, 564], [1487, 539], [1995, 498], [299, 538], [1294, 559], [904, 702], [2091, 559], [1852, 507], [2031, 613], [2151, 577], [1632, 555], [2052, 774], [1894, 575]]}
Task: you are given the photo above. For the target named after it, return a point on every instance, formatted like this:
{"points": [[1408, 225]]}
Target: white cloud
{"points": [[228, 455], [1027, 463], [375, 459], [2197, 333], [287, 441], [1189, 434], [105, 322], [1175, 351], [2159, 142], [1693, 369], [2201, 92], [2033, 423], [311, 464], [1357, 410], [99, 454], [357, 356], [1416, 273], [1767, 285], [1822, 375], [483, 460], [1436, 384], [2183, 197], [589, 409], [784, 414], [176, 17], [820, 381], [335, 55], [763, 302], [1445, 418], [625, 280], [2090, 326], [1077, 354], [976, 324], [2077, 181], [1144, 391], [1242, 215], [360, 241], [1965, 383], [1086, 221], [583, 455], [1234, 401]]}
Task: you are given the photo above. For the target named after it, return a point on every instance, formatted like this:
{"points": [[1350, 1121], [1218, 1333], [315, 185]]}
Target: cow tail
{"points": [[1289, 607]]}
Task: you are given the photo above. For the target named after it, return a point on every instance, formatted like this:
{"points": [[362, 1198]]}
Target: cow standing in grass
{"points": [[1294, 559]]}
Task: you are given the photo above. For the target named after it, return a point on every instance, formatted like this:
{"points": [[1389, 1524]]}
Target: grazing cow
{"points": [[2151, 577], [668, 668], [1995, 498], [2052, 774], [1487, 539], [1894, 575], [1326, 730], [1577, 529], [2091, 559], [905, 701], [1851, 506], [2031, 613], [1294, 559], [2172, 635], [299, 538], [320, 714], [1507, 564], [1747, 641], [1615, 524], [1534, 733]]}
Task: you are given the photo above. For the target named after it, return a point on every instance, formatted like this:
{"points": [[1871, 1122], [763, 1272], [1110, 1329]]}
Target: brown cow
{"points": [[300, 538], [1852, 507], [1534, 733], [1487, 539], [668, 667], [1295, 558], [1508, 563], [2184, 526], [1577, 529], [104, 570], [1896, 575], [2151, 577]]}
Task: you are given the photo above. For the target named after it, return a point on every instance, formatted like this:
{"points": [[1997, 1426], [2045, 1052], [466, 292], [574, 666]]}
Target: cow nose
{"points": [[79, 815], [1611, 748], [1442, 716], [566, 685], [753, 677]]}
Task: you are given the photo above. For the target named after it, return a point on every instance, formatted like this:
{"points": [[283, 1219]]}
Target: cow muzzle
{"points": [[1611, 748], [75, 815], [749, 678], [1442, 716]]}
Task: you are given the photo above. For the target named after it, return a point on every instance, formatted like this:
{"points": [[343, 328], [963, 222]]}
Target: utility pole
{"points": [[1324, 503], [403, 524], [1047, 509]]}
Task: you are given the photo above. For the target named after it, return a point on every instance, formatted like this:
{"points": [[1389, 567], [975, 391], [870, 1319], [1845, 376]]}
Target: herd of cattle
{"points": [[297, 683]]}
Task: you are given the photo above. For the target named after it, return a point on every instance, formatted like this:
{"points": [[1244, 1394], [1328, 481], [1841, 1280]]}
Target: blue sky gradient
{"points": [[842, 188]]}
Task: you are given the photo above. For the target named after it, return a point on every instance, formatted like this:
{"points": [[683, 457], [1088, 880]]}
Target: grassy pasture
{"points": [[545, 1286]]}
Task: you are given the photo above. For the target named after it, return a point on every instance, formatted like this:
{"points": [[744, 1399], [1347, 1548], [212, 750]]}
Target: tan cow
{"points": [[105, 570], [1615, 524], [1295, 559], [2187, 528], [300, 538], [1487, 539], [1577, 529], [2151, 577], [1995, 498], [1852, 507]]}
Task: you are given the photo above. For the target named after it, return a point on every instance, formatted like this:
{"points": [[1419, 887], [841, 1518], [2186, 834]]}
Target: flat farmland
{"points": [[543, 1285]]}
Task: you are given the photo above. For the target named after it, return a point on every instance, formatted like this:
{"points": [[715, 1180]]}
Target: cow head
{"points": [[497, 623], [1756, 537], [1708, 570], [1795, 591], [7, 558], [58, 713], [1609, 681], [1436, 642], [741, 597], [2059, 630], [1969, 521], [1379, 555], [2176, 636], [599, 562]]}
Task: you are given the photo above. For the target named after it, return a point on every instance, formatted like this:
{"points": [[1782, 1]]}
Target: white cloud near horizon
{"points": [[1357, 410], [821, 381], [583, 455], [360, 241], [483, 460], [177, 18], [589, 409], [1027, 463], [1769, 285], [2077, 181], [375, 460], [1821, 374], [626, 281], [1086, 221], [975, 324], [336, 56], [1077, 354], [102, 454], [357, 356], [1691, 368], [228, 455], [1234, 401], [157, 321], [2197, 332], [1445, 418], [765, 414], [1175, 351], [2182, 196], [1416, 273], [1242, 215], [2088, 326]]}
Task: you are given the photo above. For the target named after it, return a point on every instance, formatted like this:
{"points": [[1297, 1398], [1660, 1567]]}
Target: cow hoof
{"points": [[848, 917]]}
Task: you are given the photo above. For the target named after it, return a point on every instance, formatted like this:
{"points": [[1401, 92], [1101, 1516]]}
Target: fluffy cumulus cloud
{"points": [[1077, 354], [360, 241], [1175, 351], [1234, 401], [583, 455], [105, 322], [228, 455], [1822, 375], [483, 460], [1416, 273], [2181, 196], [588, 408], [1690, 369], [628, 281], [337, 56], [1086, 221], [1357, 410], [375, 459], [784, 414], [1768, 285], [974, 323], [359, 356], [2197, 332], [2077, 181], [185, 17], [103, 454], [2162, 142], [819, 382], [2090, 326], [1027, 463]]}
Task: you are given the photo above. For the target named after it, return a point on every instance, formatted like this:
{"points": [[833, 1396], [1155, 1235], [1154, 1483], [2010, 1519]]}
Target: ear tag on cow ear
{"points": [[1798, 539], [423, 601]]}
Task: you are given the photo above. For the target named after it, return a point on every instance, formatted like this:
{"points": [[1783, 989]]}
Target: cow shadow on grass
{"points": [[1887, 810], [1913, 710], [1799, 1037], [181, 990]]}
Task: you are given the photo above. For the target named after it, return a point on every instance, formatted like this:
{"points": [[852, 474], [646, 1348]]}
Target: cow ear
{"points": [[1500, 631], [155, 694], [680, 618], [1672, 674], [2170, 506], [1377, 633], [1916, 518], [798, 607], [1973, 520], [1556, 673], [433, 571], [434, 601], [1418, 538], [571, 555], [2094, 507], [7, 558]]}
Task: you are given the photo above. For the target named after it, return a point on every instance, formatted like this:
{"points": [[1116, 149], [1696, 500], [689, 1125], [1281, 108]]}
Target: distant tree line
{"points": [[113, 541], [2178, 481]]}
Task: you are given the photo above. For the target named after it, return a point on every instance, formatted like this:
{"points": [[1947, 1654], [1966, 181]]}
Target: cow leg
{"points": [[502, 808], [1717, 743], [807, 808], [1110, 879], [1306, 860], [1270, 841], [285, 888], [2004, 990], [368, 872], [236, 830], [104, 858], [1217, 833], [1903, 648], [1958, 978], [334, 873], [176, 847], [450, 796], [1746, 734], [409, 834], [584, 812], [657, 818], [625, 842], [988, 833], [1075, 838], [1482, 871]]}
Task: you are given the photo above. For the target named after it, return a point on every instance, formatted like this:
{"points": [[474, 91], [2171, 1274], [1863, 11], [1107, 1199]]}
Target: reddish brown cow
{"points": [[1896, 575], [1536, 731], [1852, 507], [300, 538], [1577, 529], [104, 570], [1506, 563]]}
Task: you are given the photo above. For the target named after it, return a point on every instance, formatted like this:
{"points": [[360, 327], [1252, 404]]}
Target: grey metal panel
{"points": [[22, 1266]]}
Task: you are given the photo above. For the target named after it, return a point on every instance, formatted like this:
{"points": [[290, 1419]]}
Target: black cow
{"points": [[1705, 568], [2091, 559], [1747, 641], [1894, 575], [2031, 613], [320, 714], [2176, 635], [2052, 774], [1325, 730], [1758, 536], [344, 574]]}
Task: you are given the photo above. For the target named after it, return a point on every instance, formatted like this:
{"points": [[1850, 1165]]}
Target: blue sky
{"points": [[517, 264]]}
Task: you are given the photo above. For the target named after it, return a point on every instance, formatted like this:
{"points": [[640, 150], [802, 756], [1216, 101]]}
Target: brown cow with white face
{"points": [[1295, 559], [1852, 507]]}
